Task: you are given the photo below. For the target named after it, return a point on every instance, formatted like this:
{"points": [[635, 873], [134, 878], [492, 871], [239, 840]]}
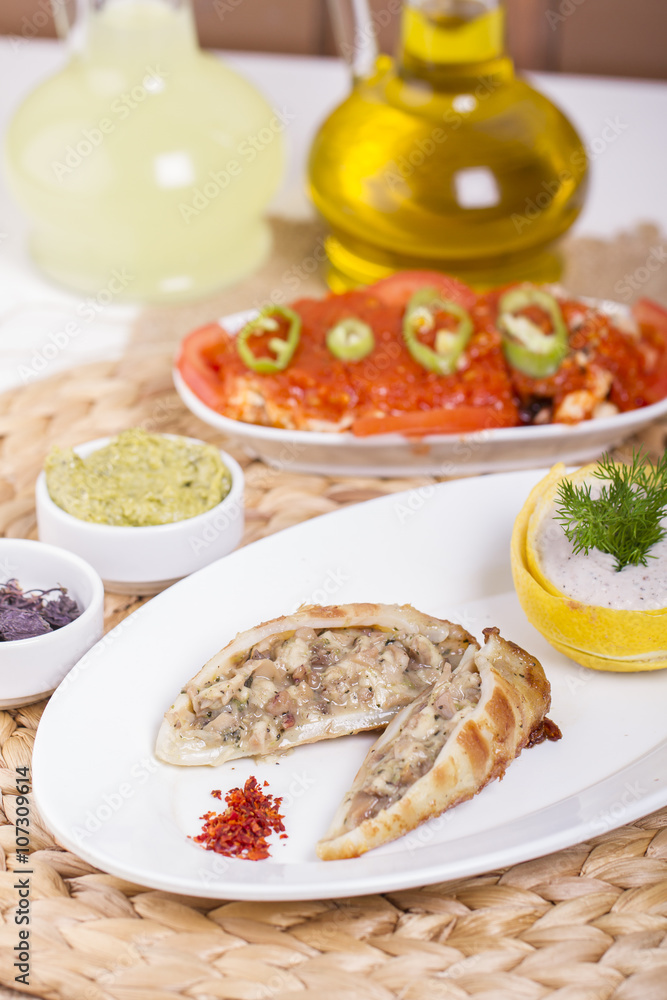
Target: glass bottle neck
{"points": [[125, 31], [449, 42]]}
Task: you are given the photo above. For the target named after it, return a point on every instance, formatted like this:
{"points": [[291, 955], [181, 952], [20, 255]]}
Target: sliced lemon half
{"points": [[597, 637]]}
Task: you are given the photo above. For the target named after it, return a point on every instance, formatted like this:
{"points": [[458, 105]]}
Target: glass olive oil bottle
{"points": [[442, 158]]}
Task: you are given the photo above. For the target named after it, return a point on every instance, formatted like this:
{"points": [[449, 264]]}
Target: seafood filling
{"points": [[411, 744], [308, 675]]}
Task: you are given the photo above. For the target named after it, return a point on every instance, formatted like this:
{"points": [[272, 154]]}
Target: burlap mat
{"points": [[588, 923]]}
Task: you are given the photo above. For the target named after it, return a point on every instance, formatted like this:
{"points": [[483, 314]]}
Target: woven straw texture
{"points": [[589, 923]]}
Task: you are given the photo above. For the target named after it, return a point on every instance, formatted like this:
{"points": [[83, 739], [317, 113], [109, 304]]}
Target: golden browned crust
{"points": [[515, 697]]}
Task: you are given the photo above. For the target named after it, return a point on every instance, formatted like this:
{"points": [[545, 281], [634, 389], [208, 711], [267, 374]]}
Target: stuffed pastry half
{"points": [[456, 736], [319, 673]]}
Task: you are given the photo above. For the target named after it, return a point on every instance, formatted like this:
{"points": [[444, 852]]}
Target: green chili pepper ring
{"points": [[283, 348], [449, 344], [528, 348], [350, 339]]}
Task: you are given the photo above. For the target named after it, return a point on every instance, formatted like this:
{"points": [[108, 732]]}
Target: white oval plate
{"points": [[497, 450], [106, 797]]}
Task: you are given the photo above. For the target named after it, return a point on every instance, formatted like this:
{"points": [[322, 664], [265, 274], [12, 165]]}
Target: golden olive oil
{"points": [[444, 159]]}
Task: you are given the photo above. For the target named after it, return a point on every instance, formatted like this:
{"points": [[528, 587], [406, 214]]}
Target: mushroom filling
{"points": [[411, 744], [293, 678]]}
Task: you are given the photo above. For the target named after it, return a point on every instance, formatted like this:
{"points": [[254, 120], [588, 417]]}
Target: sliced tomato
{"points": [[454, 420], [399, 288], [650, 314], [193, 362], [652, 321]]}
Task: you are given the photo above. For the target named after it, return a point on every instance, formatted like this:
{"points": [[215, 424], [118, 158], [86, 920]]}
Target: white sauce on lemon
{"points": [[592, 578]]}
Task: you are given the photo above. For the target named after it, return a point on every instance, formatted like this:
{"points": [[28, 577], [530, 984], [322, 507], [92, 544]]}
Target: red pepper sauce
{"points": [[241, 831], [596, 344], [317, 386]]}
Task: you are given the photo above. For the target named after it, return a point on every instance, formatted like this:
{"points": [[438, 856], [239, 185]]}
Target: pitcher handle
{"points": [[354, 29], [63, 16]]}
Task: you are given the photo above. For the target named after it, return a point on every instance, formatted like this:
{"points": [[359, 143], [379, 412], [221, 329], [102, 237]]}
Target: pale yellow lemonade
{"points": [[146, 164]]}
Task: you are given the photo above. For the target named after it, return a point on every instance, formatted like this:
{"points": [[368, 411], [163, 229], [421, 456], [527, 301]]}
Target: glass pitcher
{"points": [[442, 158], [144, 165]]}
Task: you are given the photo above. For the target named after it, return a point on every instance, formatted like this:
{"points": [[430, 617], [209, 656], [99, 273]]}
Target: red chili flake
{"points": [[241, 830]]}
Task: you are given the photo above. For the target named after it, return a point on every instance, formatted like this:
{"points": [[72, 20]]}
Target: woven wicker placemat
{"points": [[589, 923]]}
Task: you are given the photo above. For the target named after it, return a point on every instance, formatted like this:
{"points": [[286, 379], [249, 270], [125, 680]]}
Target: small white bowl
{"points": [[145, 560], [31, 669]]}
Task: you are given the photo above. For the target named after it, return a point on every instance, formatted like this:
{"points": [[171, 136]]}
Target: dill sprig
{"points": [[625, 519]]}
